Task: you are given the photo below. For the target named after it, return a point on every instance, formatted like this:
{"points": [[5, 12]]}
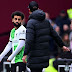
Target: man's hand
{"points": [[8, 60], [65, 48], [24, 58]]}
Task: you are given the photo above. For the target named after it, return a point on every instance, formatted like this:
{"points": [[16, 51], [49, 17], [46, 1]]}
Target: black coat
{"points": [[60, 21], [37, 40]]}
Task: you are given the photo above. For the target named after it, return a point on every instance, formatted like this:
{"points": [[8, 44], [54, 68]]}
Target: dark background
{"points": [[53, 7]]}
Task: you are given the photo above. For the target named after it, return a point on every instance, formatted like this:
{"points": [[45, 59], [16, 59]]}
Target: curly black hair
{"points": [[17, 13]]}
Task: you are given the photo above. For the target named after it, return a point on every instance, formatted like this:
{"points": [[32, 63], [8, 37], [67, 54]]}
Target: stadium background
{"points": [[53, 7]]}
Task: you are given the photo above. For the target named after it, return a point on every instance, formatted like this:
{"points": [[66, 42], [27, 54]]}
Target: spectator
{"points": [[69, 12], [70, 27], [57, 29], [70, 35], [48, 17], [66, 29], [65, 39], [62, 19], [71, 44], [53, 24]]}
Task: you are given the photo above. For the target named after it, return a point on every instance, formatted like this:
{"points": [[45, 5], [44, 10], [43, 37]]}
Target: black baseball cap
{"points": [[33, 6]]}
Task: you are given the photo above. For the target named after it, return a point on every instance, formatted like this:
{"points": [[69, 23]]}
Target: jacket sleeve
{"points": [[29, 37], [18, 49], [56, 37], [6, 50]]}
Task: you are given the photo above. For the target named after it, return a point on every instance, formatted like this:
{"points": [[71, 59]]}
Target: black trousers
{"points": [[36, 70], [21, 65]]}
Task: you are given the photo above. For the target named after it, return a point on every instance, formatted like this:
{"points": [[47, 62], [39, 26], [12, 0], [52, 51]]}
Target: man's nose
{"points": [[17, 20]]}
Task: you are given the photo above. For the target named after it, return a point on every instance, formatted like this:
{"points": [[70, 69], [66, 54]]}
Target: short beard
{"points": [[19, 24]]}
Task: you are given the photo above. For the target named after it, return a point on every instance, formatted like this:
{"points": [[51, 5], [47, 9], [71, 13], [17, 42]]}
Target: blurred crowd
{"points": [[63, 26]]}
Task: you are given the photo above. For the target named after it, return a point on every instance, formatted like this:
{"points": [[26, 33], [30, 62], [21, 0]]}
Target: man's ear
{"points": [[21, 20], [30, 11], [38, 8], [12, 19]]}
